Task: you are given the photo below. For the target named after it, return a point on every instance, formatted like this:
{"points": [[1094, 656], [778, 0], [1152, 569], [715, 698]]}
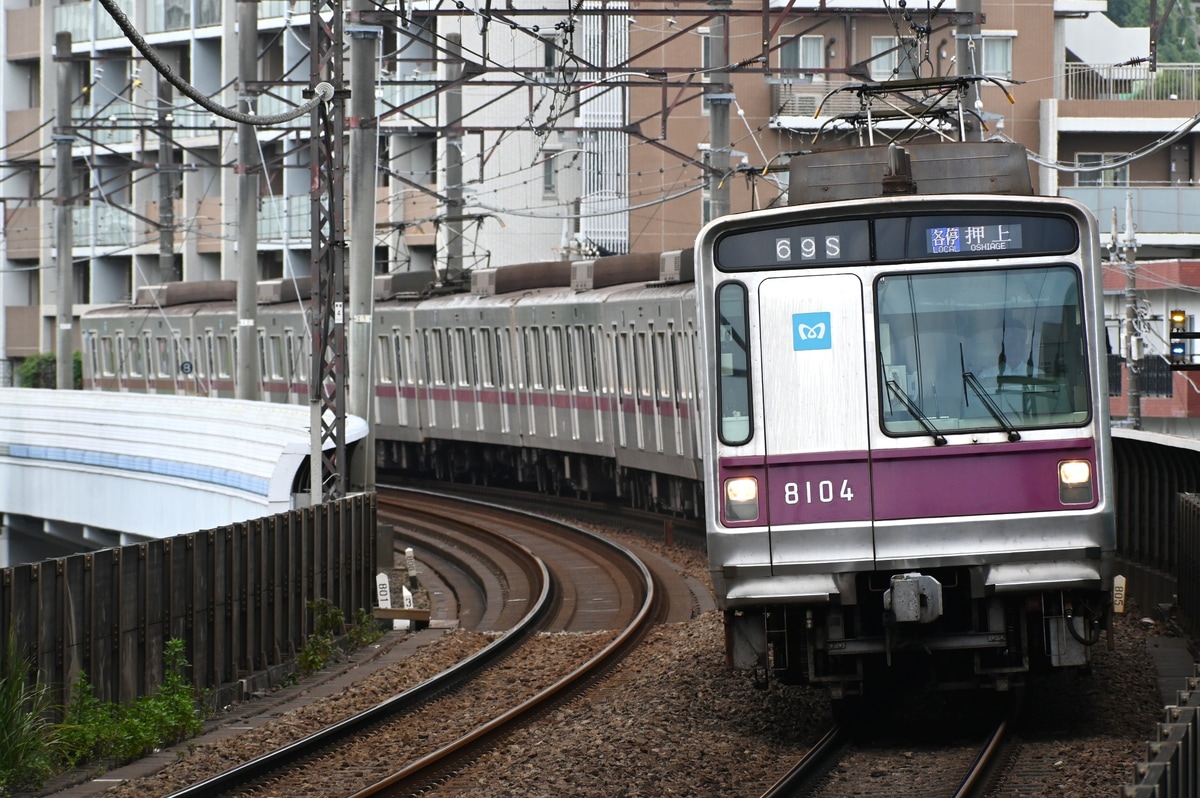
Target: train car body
{"points": [[907, 458]]}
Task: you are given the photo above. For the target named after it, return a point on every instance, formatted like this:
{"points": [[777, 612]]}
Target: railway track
{"points": [[842, 764], [580, 588]]}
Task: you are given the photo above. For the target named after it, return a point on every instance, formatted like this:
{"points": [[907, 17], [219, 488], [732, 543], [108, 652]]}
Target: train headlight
{"points": [[741, 499], [1075, 482]]}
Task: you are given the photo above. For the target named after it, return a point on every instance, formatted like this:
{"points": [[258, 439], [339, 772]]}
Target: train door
{"points": [[815, 419], [662, 386]]}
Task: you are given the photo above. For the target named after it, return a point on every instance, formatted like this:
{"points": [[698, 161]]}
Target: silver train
{"points": [[891, 411]]}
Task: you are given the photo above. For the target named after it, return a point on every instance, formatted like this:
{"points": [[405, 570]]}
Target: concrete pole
{"points": [[364, 146], [1129, 255], [719, 94], [64, 241], [454, 170], [249, 383], [968, 52], [167, 271]]}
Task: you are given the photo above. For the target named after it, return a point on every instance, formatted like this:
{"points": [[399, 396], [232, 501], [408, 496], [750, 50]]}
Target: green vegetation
{"points": [[97, 730], [1177, 43], [33, 747], [41, 371], [28, 739], [320, 649]]}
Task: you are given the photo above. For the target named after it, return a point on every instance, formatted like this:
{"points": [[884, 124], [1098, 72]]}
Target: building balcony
{"points": [[1175, 82], [22, 328], [420, 212], [286, 219], [24, 35], [99, 225], [85, 21], [1157, 210], [23, 232], [801, 96], [24, 140]]}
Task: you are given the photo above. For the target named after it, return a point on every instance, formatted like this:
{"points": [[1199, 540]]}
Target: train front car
{"points": [[907, 465]]}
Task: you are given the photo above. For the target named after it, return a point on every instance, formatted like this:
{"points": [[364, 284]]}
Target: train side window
{"points": [[504, 366], [162, 358], [406, 368], [642, 364], [664, 365], [264, 364], [136, 361], [533, 358], [487, 366], [733, 368], [183, 353], [383, 357], [108, 362], [275, 345], [556, 358], [624, 356], [90, 346], [434, 357], [120, 354], [579, 361]]}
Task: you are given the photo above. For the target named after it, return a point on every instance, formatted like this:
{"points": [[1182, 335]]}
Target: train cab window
{"points": [[733, 386], [975, 351]]}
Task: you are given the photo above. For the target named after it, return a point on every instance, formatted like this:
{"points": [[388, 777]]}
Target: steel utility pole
{"points": [[364, 153], [64, 137], [328, 377], [248, 377], [454, 160]]}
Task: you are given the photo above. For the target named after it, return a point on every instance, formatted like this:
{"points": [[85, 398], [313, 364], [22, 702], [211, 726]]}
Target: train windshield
{"points": [[981, 350]]}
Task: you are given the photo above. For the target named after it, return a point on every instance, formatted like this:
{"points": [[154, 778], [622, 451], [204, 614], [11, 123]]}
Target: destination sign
{"points": [[895, 239]]}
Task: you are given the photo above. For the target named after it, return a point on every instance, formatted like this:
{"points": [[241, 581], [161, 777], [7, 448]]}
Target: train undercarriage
{"points": [[893, 635], [545, 471]]}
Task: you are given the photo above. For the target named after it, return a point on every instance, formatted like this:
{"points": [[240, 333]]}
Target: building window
{"points": [[550, 175], [1117, 176], [892, 57], [997, 56], [801, 53]]}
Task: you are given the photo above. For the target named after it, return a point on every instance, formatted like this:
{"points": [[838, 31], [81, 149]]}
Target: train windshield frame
{"points": [[982, 350]]}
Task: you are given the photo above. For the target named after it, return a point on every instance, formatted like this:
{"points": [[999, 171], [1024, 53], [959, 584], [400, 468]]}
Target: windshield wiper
{"points": [[971, 380], [894, 387]]}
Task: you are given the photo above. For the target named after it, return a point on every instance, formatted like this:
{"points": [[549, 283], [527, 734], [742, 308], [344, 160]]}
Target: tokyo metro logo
{"points": [[811, 331]]}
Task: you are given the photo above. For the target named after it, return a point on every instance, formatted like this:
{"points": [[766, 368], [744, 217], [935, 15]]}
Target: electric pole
{"points": [[248, 378], [1131, 339], [64, 137], [720, 96], [166, 195], [364, 146], [454, 173]]}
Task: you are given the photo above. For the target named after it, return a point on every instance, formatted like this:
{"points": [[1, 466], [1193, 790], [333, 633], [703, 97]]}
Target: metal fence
{"points": [[237, 596], [1170, 770]]}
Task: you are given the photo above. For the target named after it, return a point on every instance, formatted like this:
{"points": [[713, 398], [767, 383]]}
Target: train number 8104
{"points": [[823, 494]]}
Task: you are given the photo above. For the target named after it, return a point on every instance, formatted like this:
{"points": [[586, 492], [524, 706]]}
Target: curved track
{"points": [[578, 583]]}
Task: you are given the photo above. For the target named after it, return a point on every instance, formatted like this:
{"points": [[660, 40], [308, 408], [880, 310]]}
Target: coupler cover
{"points": [[914, 598]]}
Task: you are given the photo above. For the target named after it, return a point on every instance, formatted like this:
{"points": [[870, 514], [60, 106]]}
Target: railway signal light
{"points": [[1180, 338]]}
